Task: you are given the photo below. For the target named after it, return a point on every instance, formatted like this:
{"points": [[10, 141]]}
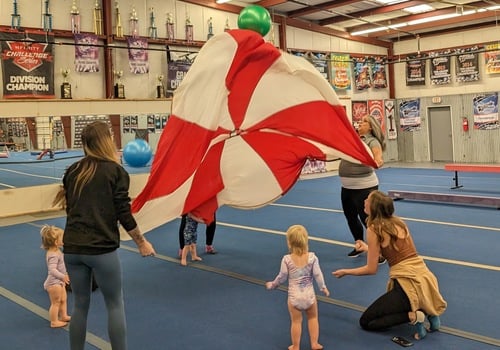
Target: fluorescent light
{"points": [[378, 29], [419, 8], [221, 1], [432, 19], [391, 2]]}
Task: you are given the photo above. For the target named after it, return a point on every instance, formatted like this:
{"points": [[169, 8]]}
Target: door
{"points": [[441, 138]]}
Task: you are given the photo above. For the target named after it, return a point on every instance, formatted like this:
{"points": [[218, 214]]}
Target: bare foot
{"points": [[317, 346], [58, 324], [196, 258], [183, 262], [66, 318], [291, 347]]}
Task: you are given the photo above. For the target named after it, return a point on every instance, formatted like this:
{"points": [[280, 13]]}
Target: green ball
{"points": [[256, 18]]}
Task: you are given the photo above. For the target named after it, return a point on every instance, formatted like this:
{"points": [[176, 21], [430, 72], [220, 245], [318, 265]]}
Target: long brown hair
{"points": [[98, 144], [382, 219], [376, 131]]}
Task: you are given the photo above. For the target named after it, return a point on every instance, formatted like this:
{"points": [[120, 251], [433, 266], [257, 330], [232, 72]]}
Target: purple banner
{"points": [[27, 65], [138, 55], [86, 53]]}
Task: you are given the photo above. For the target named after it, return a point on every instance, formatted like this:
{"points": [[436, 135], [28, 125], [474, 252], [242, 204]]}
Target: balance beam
{"points": [[446, 198], [473, 168]]}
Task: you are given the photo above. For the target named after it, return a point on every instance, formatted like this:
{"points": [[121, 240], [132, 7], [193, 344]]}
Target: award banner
{"points": [[415, 71], [86, 53], [376, 110], [440, 70], [176, 71], [409, 115], [486, 112], [359, 110], [138, 55], [27, 65], [362, 75], [379, 76], [492, 59], [340, 71], [467, 65], [392, 133], [320, 62]]}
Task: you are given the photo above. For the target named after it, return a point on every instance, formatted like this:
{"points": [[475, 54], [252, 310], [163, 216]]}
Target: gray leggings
{"points": [[108, 274]]}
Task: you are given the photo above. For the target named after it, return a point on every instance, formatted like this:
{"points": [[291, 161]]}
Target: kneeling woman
{"points": [[412, 290]]}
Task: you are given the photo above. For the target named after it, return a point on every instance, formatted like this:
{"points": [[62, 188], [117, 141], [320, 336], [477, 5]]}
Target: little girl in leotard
{"points": [[300, 267], [57, 278]]}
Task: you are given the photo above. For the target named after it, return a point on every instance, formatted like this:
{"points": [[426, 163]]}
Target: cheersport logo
{"points": [[27, 56]]}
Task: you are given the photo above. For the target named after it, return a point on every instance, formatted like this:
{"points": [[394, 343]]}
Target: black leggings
{"points": [[389, 310], [210, 232], [353, 205]]}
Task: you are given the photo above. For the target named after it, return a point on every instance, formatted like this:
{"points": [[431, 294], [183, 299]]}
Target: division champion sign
{"points": [[27, 65]]}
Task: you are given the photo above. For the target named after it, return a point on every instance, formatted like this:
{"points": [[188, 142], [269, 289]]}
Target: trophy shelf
{"points": [[65, 107]]}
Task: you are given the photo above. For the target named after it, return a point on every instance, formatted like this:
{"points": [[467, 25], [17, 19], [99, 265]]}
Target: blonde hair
{"points": [[376, 131], [50, 234], [297, 239], [98, 144]]}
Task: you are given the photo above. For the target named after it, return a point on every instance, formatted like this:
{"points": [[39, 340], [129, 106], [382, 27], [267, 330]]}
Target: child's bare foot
{"points": [[291, 347], [66, 318], [196, 258], [58, 324], [183, 262], [317, 346]]}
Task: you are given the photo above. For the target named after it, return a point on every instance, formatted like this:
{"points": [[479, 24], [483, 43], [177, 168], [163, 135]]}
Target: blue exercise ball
{"points": [[137, 153]]}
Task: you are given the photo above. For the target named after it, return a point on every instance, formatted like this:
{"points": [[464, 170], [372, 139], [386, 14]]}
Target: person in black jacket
{"points": [[95, 195]]}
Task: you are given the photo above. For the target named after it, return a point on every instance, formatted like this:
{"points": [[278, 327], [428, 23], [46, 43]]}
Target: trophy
{"points": [[118, 22], [75, 18], [153, 32], [170, 27], [210, 28], [160, 89], [189, 30], [119, 87], [133, 23], [47, 18], [15, 17], [97, 18], [65, 86]]}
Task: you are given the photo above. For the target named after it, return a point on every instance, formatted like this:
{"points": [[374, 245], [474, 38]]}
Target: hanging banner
{"points": [[440, 70], [379, 76], [362, 75], [409, 115], [392, 133], [415, 71], [320, 62], [176, 71], [27, 65], [467, 65], [138, 55], [86, 53], [376, 110], [359, 110], [340, 71], [492, 59], [486, 112]]}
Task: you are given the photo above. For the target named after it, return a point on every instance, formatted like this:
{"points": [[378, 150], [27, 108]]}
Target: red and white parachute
{"points": [[244, 120]]}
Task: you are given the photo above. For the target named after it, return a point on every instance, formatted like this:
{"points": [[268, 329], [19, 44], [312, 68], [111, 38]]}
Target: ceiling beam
{"points": [[317, 8]]}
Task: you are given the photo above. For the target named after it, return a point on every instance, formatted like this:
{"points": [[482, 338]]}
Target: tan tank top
{"points": [[406, 250]]}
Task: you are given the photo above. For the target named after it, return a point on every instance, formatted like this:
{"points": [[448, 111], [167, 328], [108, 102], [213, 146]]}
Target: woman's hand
{"points": [[339, 273], [146, 248]]}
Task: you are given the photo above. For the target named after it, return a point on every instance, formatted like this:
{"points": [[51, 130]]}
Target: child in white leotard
{"points": [[57, 278], [300, 267]]}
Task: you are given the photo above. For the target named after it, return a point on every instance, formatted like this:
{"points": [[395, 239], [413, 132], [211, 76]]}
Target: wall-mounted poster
{"points": [[86, 53], [392, 133], [492, 59], [486, 112], [138, 55], [409, 115], [320, 61], [376, 110], [415, 70], [440, 72], [176, 71], [467, 65], [359, 110], [340, 67]]}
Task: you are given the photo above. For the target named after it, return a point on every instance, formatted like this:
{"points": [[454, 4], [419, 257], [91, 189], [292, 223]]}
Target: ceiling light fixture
{"points": [[221, 1], [419, 9]]}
